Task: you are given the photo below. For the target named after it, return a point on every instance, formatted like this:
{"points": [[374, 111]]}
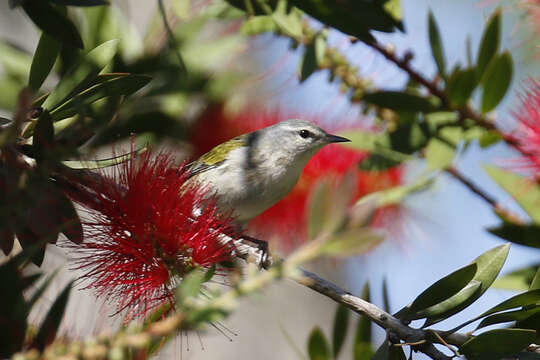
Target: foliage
{"points": [[14, 319], [109, 86]]}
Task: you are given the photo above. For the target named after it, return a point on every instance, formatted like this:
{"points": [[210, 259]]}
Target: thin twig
{"points": [[497, 207], [170, 36], [377, 315]]}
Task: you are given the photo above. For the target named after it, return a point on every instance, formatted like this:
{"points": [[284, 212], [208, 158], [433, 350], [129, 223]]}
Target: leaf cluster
{"points": [[16, 306]]}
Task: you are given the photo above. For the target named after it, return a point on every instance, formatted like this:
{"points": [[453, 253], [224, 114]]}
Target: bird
{"points": [[251, 172]]}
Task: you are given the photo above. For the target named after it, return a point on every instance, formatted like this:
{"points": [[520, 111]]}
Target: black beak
{"points": [[336, 139]]}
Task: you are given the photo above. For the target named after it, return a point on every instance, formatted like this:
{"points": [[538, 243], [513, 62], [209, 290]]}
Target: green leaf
{"points": [[375, 143], [41, 289], [258, 25], [528, 235], [461, 85], [362, 340], [399, 101], [496, 81], [318, 206], [81, 74], [14, 61], [435, 42], [376, 162], [532, 322], [209, 273], [520, 280], [122, 86], [383, 352], [525, 299], [387, 351], [408, 138], [489, 265], [309, 62], [339, 333], [516, 315], [102, 163], [355, 18], [43, 141], [49, 326], [320, 47], [489, 138], [439, 154], [497, 343], [70, 224], [290, 24], [81, 2], [53, 22], [393, 8], [395, 195], [489, 44], [44, 58], [440, 291], [190, 286], [527, 356], [318, 346], [386, 297], [352, 242], [525, 191], [535, 283]]}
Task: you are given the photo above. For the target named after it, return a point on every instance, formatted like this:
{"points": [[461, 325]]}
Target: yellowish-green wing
{"points": [[216, 156]]}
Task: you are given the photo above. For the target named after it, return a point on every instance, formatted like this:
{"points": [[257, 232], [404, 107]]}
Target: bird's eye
{"points": [[305, 134]]}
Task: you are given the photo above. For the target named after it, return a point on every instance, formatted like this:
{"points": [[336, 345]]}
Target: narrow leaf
{"points": [[190, 286], [489, 265], [43, 137], [362, 340], [525, 299], [523, 190], [41, 289], [70, 223], [339, 333], [535, 283], [516, 315], [461, 85], [352, 242], [528, 235], [125, 86], [496, 81], [317, 345], [386, 296], [318, 206], [441, 290], [439, 154], [435, 42], [81, 2], [44, 58], [309, 62], [53, 22], [81, 74], [497, 343], [49, 326], [518, 280], [399, 101], [489, 44]]}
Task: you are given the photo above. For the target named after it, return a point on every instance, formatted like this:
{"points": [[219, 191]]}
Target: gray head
{"points": [[296, 138]]}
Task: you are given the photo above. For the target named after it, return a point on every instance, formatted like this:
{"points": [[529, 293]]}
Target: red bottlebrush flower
{"points": [[286, 220], [142, 236], [527, 134]]}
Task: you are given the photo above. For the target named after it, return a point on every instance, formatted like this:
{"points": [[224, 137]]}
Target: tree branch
{"points": [[360, 306]]}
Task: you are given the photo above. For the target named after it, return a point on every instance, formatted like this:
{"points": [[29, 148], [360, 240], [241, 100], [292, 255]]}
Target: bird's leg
{"points": [[259, 248]]}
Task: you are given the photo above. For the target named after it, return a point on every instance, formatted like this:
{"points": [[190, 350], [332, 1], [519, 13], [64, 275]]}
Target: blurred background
{"points": [[242, 82]]}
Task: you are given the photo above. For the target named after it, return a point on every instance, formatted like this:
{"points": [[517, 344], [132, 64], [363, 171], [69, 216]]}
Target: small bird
{"points": [[251, 172]]}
